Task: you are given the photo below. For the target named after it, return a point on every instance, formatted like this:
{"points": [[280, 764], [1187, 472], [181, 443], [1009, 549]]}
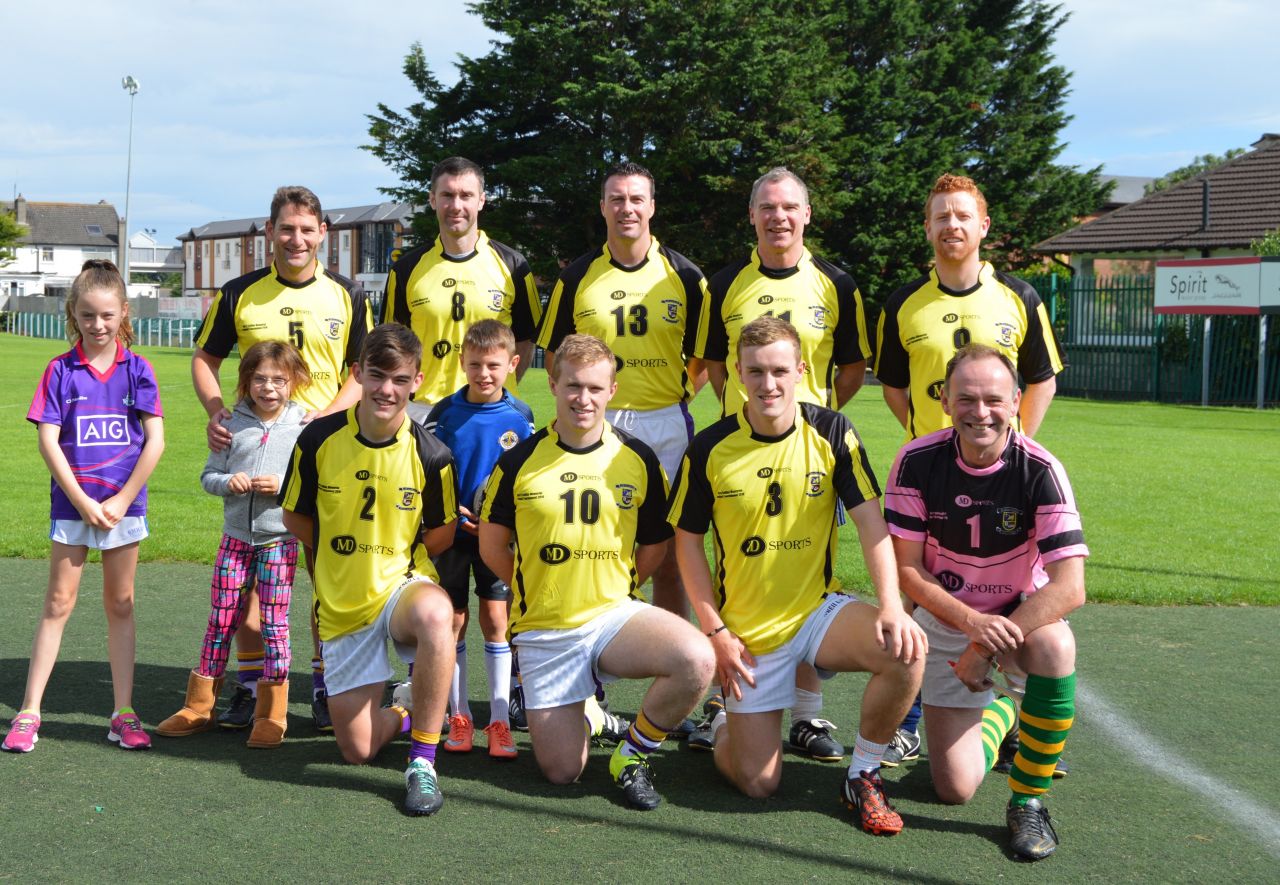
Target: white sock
{"points": [[866, 756], [458, 702], [497, 665], [808, 706], [718, 722]]}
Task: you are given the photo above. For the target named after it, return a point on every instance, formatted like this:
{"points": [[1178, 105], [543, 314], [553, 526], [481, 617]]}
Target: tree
{"points": [[1268, 244], [1191, 170], [10, 234], [868, 100]]}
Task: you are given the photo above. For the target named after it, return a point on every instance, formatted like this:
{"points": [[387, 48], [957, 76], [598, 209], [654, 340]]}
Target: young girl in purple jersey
{"points": [[101, 432], [256, 547]]}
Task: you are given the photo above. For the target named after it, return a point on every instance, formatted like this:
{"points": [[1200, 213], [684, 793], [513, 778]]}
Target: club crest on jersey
{"points": [[1008, 520], [408, 496], [819, 320], [102, 430], [1004, 334], [128, 400], [625, 495], [495, 300], [508, 439], [333, 328], [814, 479], [673, 310]]}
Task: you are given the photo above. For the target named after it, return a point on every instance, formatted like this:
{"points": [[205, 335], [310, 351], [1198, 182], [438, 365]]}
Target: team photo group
{"points": [[393, 458]]}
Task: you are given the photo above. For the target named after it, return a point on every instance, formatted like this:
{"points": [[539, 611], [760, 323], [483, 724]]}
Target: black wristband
{"points": [[717, 630]]}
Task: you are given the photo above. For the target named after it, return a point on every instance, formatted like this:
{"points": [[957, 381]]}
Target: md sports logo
{"points": [[618, 295], [935, 391], [441, 349], [765, 299], [362, 475], [568, 477], [343, 545], [286, 311], [102, 430], [753, 546], [448, 283], [764, 472], [554, 554], [950, 581]]}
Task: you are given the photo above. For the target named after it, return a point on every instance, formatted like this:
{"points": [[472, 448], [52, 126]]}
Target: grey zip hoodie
{"points": [[257, 449]]}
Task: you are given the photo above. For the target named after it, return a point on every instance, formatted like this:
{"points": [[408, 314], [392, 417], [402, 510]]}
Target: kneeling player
{"points": [[375, 494], [990, 548], [769, 478], [585, 503]]}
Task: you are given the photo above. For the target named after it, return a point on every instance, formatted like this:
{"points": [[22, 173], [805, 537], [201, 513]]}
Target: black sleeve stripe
{"points": [[1060, 540], [844, 342], [561, 322], [717, 337], [891, 365], [906, 523]]}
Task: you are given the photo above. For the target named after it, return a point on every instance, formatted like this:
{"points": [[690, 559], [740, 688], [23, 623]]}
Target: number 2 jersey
{"points": [[987, 532], [770, 503], [577, 516], [924, 323], [326, 318], [647, 314], [371, 503]]}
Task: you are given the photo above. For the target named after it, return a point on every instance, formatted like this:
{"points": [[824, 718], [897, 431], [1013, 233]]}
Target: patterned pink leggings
{"points": [[271, 566]]}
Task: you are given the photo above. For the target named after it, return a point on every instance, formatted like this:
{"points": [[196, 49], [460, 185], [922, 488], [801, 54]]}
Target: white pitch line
{"points": [[1143, 747]]}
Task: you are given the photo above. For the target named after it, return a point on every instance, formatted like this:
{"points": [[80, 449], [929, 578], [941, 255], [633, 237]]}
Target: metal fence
{"points": [[1117, 347], [148, 331]]}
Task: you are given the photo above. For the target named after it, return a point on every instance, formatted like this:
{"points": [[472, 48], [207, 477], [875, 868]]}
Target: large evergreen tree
{"points": [[868, 100]]}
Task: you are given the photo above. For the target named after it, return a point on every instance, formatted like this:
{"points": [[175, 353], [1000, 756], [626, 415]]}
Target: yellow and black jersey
{"points": [[371, 503], [924, 323], [647, 314], [577, 516], [326, 318], [819, 299], [440, 296], [770, 503]]}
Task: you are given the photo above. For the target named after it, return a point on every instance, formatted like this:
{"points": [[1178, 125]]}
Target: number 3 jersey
{"points": [[987, 532], [326, 318], [771, 505], [577, 516], [647, 314], [371, 503]]}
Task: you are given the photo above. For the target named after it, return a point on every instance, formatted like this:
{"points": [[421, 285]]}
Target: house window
{"points": [[93, 230], [46, 253], [346, 241], [217, 250], [189, 251], [204, 249]]}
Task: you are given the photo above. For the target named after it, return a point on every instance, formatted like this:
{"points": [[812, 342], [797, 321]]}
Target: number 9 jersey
{"points": [[326, 318]]}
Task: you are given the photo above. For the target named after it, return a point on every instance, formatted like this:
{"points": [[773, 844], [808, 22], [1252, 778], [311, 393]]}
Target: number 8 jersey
{"points": [[772, 501], [326, 318], [577, 515]]}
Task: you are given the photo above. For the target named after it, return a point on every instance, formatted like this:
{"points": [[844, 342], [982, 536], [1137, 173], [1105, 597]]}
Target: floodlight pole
{"points": [[131, 86]]}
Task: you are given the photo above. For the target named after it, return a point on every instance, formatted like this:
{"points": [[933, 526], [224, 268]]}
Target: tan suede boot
{"points": [[197, 714], [269, 717]]}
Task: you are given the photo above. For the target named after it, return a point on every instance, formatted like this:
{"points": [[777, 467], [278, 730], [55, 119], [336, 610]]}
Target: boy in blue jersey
{"points": [[478, 423]]}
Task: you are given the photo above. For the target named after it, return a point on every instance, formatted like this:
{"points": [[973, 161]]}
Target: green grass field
{"points": [[1171, 778]]}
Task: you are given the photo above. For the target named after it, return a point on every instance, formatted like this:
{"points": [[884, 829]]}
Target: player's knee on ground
{"points": [[952, 792], [357, 751], [695, 665]]}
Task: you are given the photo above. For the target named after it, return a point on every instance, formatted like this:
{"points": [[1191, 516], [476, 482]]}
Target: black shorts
{"points": [[456, 566]]}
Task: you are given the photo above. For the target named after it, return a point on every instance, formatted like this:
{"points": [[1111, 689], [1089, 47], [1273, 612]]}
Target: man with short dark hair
{"points": [[324, 315], [442, 288], [990, 548]]}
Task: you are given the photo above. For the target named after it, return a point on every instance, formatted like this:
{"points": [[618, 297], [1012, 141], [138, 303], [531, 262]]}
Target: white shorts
{"points": [[559, 667], [77, 533], [667, 431], [360, 658], [940, 687], [775, 672]]}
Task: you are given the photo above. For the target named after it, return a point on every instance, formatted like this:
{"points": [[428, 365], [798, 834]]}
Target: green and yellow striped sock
{"points": [[1047, 714], [997, 719]]}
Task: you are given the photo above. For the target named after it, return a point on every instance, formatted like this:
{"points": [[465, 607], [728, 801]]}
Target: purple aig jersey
{"points": [[987, 532], [100, 416]]}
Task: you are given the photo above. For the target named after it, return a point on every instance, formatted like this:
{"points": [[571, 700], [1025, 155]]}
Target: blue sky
{"points": [[239, 97]]}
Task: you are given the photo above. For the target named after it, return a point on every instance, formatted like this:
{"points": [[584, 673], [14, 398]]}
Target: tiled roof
{"points": [[1244, 203], [69, 224], [235, 228], [375, 212]]}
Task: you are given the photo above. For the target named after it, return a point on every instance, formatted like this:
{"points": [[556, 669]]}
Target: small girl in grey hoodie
{"points": [[255, 547]]}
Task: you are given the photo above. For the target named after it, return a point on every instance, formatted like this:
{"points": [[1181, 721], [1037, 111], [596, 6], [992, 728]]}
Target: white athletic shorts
{"points": [[940, 687], [77, 533], [360, 658], [775, 672], [559, 667], [667, 431]]}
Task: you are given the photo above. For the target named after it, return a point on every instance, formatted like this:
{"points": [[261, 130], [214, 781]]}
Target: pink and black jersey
{"points": [[989, 532], [100, 416]]}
